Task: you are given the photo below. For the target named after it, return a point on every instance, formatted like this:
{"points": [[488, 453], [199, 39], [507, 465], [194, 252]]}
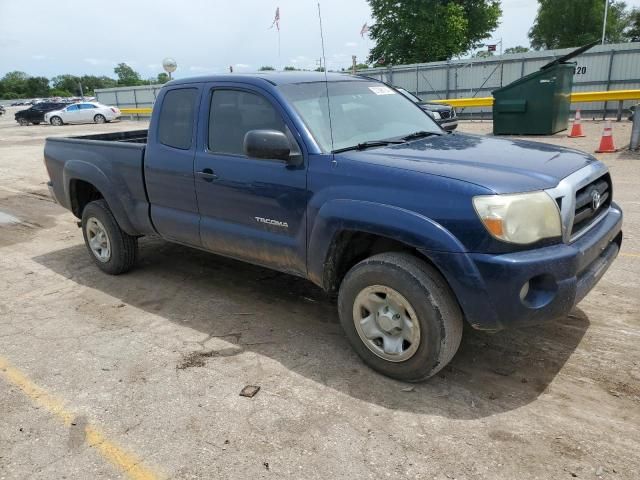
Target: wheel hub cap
{"points": [[386, 323], [98, 240]]}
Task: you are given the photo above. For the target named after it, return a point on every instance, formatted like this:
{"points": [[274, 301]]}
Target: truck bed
{"points": [[113, 163], [131, 136]]}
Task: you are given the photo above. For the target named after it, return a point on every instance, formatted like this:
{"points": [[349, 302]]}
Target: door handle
{"points": [[207, 175]]}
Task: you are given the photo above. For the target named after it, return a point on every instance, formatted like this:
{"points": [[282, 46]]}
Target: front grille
{"points": [[591, 200], [445, 114]]}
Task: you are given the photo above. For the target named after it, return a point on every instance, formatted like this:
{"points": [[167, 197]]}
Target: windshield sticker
{"points": [[382, 90]]}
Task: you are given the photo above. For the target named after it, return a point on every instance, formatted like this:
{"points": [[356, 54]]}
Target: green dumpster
{"points": [[537, 104]]}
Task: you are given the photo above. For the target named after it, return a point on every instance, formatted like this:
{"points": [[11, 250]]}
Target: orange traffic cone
{"points": [[606, 142], [576, 129]]}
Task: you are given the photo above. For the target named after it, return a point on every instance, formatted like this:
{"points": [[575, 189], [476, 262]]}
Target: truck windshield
{"points": [[361, 112]]}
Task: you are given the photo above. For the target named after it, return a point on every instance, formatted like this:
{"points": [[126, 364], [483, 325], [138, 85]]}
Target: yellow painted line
{"points": [[127, 462], [625, 254]]}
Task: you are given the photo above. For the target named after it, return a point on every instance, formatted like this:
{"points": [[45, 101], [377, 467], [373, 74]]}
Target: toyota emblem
{"points": [[595, 200]]}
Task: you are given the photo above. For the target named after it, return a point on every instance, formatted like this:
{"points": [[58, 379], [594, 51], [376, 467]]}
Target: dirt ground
{"points": [[138, 376]]}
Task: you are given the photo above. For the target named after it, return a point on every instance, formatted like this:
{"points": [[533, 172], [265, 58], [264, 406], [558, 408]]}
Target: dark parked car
{"points": [[443, 114], [35, 114], [2, 110]]}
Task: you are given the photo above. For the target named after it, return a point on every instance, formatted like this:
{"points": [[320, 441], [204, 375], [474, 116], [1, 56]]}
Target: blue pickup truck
{"points": [[343, 181]]}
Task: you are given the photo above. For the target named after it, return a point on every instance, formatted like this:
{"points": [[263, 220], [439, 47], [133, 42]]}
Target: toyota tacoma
{"points": [[343, 181]]}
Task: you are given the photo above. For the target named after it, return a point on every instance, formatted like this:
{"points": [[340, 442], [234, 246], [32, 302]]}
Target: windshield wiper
{"points": [[368, 144], [419, 134]]}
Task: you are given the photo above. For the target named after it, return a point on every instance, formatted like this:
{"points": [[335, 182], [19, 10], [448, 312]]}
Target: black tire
{"points": [[56, 121], [99, 118], [123, 247], [23, 122], [438, 313], [36, 123]]}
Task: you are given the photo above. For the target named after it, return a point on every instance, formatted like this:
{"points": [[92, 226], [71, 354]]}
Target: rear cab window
{"points": [[175, 123]]}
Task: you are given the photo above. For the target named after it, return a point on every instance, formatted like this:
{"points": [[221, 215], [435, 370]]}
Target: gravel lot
{"points": [[139, 376]]}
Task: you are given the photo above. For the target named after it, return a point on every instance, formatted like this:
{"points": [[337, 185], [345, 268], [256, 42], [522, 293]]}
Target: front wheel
{"points": [[23, 122], [56, 121], [99, 119], [112, 249], [400, 316]]}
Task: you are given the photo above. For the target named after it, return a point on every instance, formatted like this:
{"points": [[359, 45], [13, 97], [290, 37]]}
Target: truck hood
{"points": [[499, 164]]}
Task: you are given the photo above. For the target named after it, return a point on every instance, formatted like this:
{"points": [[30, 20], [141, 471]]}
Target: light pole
{"points": [[169, 65], [604, 23]]}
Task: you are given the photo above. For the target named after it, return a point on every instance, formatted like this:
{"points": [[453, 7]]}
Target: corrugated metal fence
{"points": [[604, 67], [129, 97]]}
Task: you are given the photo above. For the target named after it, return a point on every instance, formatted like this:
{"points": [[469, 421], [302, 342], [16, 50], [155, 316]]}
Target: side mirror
{"points": [[267, 144]]}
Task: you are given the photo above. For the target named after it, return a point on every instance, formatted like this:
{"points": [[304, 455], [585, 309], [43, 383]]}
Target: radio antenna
{"points": [[326, 77]]}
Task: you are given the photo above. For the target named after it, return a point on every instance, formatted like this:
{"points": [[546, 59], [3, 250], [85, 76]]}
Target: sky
{"points": [[45, 37]]}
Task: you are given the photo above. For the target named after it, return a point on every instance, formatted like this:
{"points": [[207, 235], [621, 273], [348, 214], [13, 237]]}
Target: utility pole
{"points": [[353, 59], [604, 23]]}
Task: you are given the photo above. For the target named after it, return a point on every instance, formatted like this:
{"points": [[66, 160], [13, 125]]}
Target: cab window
{"points": [[233, 113], [176, 118]]}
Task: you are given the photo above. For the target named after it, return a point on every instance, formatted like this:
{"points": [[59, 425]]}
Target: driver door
{"points": [[250, 209]]}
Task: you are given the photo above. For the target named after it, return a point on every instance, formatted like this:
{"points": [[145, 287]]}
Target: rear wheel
{"points": [[23, 122], [99, 119], [400, 316], [36, 123], [56, 121], [112, 250]]}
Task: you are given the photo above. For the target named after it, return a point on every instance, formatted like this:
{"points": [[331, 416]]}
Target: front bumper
{"points": [[490, 290]]}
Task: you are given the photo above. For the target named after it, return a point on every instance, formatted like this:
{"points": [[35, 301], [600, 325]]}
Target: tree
{"points": [[290, 69], [59, 93], [266, 68], [571, 23], [66, 82], [414, 31], [37, 87], [517, 49], [162, 77], [633, 31], [90, 83], [127, 76], [15, 83]]}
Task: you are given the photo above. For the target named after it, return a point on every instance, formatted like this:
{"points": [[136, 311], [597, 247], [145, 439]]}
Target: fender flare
{"points": [[405, 226], [87, 172]]}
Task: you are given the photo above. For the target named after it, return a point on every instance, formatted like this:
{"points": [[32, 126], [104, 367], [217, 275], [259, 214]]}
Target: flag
{"points": [[276, 19], [364, 29], [491, 48]]}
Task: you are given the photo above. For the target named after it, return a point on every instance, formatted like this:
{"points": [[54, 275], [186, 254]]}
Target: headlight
{"points": [[435, 115], [519, 218]]}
